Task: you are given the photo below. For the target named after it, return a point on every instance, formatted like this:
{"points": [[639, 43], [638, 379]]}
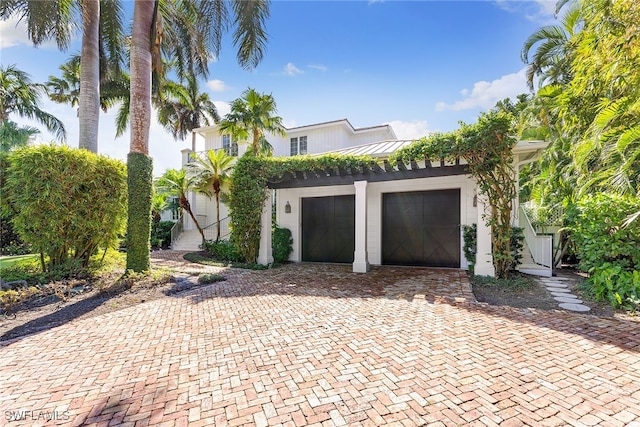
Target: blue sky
{"points": [[421, 66]]}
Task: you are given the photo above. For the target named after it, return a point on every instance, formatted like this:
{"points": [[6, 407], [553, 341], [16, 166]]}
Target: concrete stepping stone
{"points": [[570, 299], [574, 307], [559, 290], [562, 294], [556, 285]]}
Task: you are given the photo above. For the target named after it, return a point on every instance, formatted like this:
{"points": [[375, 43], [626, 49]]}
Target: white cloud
{"points": [[223, 108], [539, 11], [216, 85], [410, 130], [13, 33], [318, 67], [292, 70], [485, 94]]}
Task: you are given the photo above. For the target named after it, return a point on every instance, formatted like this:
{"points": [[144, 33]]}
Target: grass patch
{"points": [[10, 261], [515, 282], [198, 258], [207, 278]]}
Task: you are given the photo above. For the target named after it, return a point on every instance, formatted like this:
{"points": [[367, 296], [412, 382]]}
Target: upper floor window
{"points": [[298, 145], [229, 147]]}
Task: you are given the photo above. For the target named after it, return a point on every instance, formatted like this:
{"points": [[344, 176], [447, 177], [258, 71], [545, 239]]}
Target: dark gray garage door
{"points": [[421, 228], [328, 228]]}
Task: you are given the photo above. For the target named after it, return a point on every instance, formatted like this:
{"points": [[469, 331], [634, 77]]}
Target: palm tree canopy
{"points": [[252, 115], [45, 20], [18, 95], [184, 108], [211, 171], [12, 136], [551, 60], [176, 182]]}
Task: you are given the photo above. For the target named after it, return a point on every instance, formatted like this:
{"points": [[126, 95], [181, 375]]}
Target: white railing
{"points": [[210, 231], [176, 230], [540, 246]]}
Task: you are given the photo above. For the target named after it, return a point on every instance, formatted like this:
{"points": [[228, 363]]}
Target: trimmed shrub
{"points": [[66, 203], [281, 244], [470, 237], [607, 249], [140, 188]]}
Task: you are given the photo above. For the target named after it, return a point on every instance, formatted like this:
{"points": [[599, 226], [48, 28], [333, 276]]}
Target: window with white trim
{"points": [[229, 147], [298, 145]]}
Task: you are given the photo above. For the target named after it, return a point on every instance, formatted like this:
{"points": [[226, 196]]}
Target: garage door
{"points": [[328, 229], [421, 228]]}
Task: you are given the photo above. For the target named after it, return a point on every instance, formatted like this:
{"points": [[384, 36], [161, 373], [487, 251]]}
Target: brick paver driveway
{"points": [[310, 344]]}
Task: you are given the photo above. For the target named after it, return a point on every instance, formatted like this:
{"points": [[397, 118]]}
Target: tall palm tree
{"points": [[20, 96], [102, 34], [193, 33], [178, 183], [211, 172], [184, 108], [250, 116], [551, 60]]}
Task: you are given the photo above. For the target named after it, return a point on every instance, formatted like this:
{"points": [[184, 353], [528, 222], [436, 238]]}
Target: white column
{"points": [[360, 257], [484, 258], [265, 253]]}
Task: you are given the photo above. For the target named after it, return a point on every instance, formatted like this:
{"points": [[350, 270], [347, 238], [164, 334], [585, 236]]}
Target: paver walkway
{"points": [[318, 345]]}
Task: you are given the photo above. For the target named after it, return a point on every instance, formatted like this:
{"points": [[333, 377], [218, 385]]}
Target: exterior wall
{"points": [[320, 138], [375, 190]]}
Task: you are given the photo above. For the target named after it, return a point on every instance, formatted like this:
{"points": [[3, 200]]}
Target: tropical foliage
{"points": [[592, 114], [18, 95], [211, 172], [179, 183], [66, 203], [250, 117]]}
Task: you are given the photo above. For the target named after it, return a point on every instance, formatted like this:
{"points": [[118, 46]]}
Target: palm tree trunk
{"points": [[217, 215], [89, 103], [186, 206], [139, 165]]}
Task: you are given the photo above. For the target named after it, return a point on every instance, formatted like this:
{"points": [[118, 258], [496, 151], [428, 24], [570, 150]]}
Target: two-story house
{"points": [[402, 214]]}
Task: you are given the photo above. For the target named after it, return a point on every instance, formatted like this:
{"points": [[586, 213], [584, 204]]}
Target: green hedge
{"points": [[140, 188], [66, 203]]}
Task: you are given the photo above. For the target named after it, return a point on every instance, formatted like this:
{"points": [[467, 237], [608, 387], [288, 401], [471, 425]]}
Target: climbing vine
{"points": [[248, 190], [487, 146]]}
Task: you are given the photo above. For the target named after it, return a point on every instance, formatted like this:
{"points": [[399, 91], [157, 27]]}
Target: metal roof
{"points": [[376, 149]]}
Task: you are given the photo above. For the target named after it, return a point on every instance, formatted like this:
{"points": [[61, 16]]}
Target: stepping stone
{"points": [[570, 299], [559, 290], [574, 307], [562, 294], [556, 285]]}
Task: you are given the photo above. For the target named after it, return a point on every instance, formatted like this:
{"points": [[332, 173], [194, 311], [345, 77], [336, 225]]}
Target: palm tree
{"points": [[211, 172], [193, 33], [184, 108], [102, 34], [20, 96], [114, 85], [252, 115], [12, 136], [551, 61], [178, 183], [66, 89]]}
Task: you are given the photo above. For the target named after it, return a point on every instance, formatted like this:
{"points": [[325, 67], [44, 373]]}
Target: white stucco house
{"points": [[395, 214]]}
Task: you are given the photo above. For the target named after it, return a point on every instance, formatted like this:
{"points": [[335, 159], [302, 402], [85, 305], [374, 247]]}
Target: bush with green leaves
{"points": [[222, 250], [161, 234], [66, 203], [608, 249], [281, 244], [470, 237]]}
